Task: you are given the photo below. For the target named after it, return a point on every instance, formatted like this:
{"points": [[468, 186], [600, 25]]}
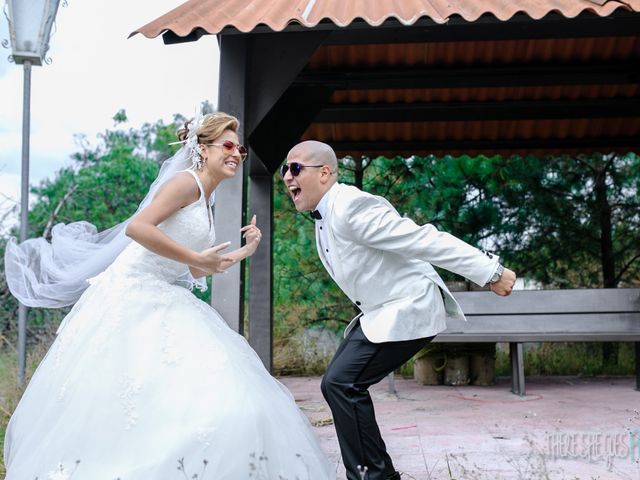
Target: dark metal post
{"points": [[517, 368], [637, 366], [260, 269], [227, 294]]}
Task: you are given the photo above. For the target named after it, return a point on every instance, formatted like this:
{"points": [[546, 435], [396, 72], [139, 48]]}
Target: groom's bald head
{"points": [[311, 183], [316, 153]]}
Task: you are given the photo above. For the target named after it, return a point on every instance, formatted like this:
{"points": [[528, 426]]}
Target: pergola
{"points": [[406, 78]]}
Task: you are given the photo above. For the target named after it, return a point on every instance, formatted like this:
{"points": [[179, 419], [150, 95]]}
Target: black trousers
{"points": [[356, 366]]}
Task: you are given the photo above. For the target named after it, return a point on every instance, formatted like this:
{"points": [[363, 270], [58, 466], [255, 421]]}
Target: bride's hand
{"points": [[212, 262], [252, 236]]}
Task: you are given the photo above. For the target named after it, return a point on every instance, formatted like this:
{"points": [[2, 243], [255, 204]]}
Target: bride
{"points": [[144, 381]]}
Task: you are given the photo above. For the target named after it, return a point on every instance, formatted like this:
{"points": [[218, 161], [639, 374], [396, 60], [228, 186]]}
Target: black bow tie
{"points": [[315, 214]]}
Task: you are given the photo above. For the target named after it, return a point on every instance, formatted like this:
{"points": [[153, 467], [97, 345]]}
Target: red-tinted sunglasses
{"points": [[295, 168], [228, 147]]}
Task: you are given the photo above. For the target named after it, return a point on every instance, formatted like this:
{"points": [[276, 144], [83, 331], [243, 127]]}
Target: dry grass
{"points": [[289, 357], [10, 392], [572, 358]]}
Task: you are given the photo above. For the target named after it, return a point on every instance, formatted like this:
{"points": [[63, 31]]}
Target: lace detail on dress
{"points": [[62, 391], [130, 389], [170, 352], [61, 472], [205, 437]]}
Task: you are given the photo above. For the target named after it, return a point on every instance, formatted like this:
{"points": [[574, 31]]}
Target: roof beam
{"points": [[507, 110], [273, 63], [284, 124], [473, 76]]}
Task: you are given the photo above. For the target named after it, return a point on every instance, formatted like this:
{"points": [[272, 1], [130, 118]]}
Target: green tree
{"points": [[574, 221]]}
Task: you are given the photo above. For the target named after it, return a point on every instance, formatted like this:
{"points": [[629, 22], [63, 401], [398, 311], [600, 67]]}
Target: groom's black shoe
{"points": [[395, 476]]}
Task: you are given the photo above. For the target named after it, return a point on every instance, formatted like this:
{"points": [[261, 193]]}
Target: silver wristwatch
{"points": [[498, 273]]}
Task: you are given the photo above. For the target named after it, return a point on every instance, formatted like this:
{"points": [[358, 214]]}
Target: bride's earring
{"points": [[200, 160]]}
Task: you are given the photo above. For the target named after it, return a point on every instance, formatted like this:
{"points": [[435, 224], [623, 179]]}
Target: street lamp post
{"points": [[30, 23]]}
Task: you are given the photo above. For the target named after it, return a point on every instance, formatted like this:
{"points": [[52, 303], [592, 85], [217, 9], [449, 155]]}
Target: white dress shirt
{"points": [[320, 224]]}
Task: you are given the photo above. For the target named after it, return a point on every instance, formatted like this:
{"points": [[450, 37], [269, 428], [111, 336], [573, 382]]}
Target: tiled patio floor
{"points": [[565, 428]]}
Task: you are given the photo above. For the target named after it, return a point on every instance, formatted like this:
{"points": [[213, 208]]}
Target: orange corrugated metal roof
{"points": [[358, 135], [245, 15]]}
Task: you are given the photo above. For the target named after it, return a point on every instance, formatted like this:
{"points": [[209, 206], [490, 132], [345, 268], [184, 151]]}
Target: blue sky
{"points": [[95, 72]]}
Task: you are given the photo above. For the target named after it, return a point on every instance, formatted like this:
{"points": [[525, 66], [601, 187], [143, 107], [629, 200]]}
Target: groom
{"points": [[382, 262]]}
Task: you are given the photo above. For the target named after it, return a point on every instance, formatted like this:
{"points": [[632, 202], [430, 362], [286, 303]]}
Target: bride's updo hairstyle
{"points": [[213, 125]]}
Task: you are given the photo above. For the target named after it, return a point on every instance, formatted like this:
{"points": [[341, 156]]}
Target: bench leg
{"points": [[392, 383], [517, 368], [638, 366]]}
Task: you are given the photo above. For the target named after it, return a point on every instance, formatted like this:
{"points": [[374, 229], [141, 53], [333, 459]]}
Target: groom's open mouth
{"points": [[295, 192]]}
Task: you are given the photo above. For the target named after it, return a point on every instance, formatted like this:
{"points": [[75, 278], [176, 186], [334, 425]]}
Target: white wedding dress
{"points": [[146, 382]]}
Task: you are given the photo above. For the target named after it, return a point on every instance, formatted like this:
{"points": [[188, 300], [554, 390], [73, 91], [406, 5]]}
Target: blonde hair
{"points": [[213, 125]]}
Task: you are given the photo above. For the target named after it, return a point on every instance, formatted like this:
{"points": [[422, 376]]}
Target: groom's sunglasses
{"points": [[295, 168]]}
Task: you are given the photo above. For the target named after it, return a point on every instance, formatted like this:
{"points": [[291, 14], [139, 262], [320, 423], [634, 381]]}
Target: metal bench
{"points": [[587, 315]]}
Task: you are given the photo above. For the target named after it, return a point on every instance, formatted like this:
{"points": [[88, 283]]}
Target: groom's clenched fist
{"points": [[505, 284]]}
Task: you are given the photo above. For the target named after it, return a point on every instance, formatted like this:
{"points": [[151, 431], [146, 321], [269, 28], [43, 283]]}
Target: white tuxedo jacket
{"points": [[382, 262]]}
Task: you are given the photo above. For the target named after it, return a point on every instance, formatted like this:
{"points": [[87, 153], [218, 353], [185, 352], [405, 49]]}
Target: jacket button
{"points": [[358, 302]]}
